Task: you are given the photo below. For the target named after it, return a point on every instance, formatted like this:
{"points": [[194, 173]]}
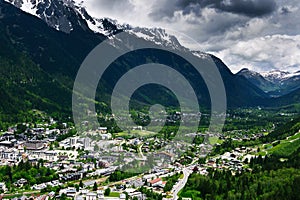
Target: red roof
{"points": [[155, 180]]}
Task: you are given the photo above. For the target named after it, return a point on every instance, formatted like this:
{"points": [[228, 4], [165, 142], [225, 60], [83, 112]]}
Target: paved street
{"points": [[181, 183]]}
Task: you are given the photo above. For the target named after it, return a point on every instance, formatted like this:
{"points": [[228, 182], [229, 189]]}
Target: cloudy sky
{"points": [[261, 35]]}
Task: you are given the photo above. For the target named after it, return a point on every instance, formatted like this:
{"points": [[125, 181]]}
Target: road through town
{"points": [[181, 183]]}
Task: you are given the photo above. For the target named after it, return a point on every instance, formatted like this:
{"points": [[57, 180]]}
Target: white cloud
{"points": [[264, 53], [261, 43]]}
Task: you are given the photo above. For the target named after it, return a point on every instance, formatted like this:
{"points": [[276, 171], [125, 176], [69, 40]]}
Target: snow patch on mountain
{"points": [[248, 73], [279, 76], [290, 75], [66, 15], [55, 13], [28, 6], [156, 35], [201, 54]]}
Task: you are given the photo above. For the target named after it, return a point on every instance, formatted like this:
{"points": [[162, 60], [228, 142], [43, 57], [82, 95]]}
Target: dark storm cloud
{"points": [[250, 8], [258, 34]]}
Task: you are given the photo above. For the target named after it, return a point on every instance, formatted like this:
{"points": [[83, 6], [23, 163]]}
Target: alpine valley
{"points": [[45, 42], [42, 46]]}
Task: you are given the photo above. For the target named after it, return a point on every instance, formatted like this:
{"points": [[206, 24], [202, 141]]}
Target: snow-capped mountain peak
{"points": [[278, 75], [55, 13], [156, 35], [248, 73], [29, 6], [275, 83], [67, 15]]}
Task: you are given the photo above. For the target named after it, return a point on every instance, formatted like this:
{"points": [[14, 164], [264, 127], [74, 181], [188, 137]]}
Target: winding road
{"points": [[181, 183]]}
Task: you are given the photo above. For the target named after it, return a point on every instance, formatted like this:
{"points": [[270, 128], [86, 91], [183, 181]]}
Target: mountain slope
{"points": [[65, 15], [55, 56], [288, 99], [25, 86], [276, 83], [240, 91], [257, 79]]}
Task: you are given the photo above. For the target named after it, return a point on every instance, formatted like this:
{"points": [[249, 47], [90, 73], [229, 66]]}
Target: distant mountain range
{"points": [[275, 83], [43, 43]]}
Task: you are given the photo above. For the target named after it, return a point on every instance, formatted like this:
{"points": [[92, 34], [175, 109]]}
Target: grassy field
{"points": [[262, 153], [141, 133], [189, 194], [215, 140], [266, 133], [114, 194], [286, 147], [181, 176]]}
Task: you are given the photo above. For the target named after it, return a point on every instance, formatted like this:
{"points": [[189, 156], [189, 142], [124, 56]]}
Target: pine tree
{"points": [[81, 184], [95, 187]]}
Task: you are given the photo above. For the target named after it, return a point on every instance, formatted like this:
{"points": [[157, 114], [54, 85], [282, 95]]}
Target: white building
{"points": [[102, 129], [91, 196], [73, 141], [87, 142], [3, 187]]}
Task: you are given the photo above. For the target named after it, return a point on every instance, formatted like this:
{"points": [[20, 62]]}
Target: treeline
{"points": [[280, 184], [150, 194], [274, 162], [171, 181], [33, 174], [283, 131], [279, 133], [230, 144], [253, 119], [271, 177], [198, 140], [70, 133], [120, 175]]}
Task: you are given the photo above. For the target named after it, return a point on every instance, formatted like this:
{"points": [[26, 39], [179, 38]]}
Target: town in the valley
{"points": [[100, 165]]}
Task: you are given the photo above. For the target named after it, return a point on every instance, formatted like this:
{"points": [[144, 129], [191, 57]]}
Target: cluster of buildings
{"points": [[233, 160], [87, 194], [31, 142], [81, 158]]}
